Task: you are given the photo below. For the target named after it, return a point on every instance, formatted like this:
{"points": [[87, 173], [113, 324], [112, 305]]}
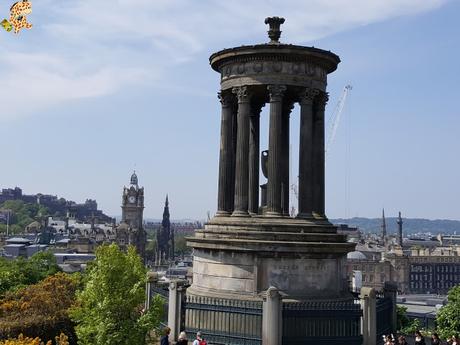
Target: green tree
{"points": [[20, 272], [448, 317], [109, 309], [402, 320], [22, 214]]}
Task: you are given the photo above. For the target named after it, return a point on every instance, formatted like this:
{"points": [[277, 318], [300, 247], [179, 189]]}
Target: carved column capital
{"points": [[276, 92], [308, 95], [242, 93], [321, 100], [225, 98]]}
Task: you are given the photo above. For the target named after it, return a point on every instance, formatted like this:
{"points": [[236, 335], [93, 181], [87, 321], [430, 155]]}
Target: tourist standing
{"points": [[182, 340], [402, 340], [419, 339], [199, 339], [435, 339], [388, 340], [165, 338]]}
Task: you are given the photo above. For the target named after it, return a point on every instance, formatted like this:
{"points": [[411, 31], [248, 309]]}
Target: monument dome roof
{"points": [[356, 255]]}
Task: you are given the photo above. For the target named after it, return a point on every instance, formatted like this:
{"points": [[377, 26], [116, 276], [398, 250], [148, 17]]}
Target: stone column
{"points": [[369, 319], [287, 109], [275, 150], [318, 155], [242, 152], [152, 279], [306, 183], [224, 207], [272, 317], [254, 156]]}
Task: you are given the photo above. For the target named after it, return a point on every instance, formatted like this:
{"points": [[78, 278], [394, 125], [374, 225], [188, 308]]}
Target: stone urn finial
{"points": [[274, 33]]}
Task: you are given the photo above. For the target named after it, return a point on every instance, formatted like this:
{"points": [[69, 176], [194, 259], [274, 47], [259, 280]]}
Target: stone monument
{"points": [[251, 248]]}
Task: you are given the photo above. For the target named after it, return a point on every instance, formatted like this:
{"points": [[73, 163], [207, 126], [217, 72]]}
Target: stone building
{"points": [[417, 271]]}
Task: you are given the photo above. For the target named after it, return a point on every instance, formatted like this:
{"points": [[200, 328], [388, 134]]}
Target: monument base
{"points": [[243, 257]]}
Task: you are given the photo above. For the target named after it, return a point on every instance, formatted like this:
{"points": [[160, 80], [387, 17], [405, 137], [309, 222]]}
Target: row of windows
{"points": [[429, 277], [436, 259], [429, 285], [438, 268]]}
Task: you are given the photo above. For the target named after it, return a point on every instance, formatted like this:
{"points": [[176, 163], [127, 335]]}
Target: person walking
{"points": [[165, 338], [435, 339], [182, 340], [199, 340], [402, 340], [419, 339], [388, 340]]}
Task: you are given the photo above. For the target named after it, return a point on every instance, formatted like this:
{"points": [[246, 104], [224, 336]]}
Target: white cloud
{"points": [[82, 48]]}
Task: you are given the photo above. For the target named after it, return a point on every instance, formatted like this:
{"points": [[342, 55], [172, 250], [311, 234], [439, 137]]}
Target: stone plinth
{"points": [[247, 256]]}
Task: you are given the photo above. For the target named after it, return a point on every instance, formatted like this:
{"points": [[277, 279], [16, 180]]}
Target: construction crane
{"points": [[334, 120]]}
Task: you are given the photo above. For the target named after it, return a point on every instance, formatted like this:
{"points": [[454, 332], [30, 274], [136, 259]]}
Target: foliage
{"points": [[22, 214], [448, 317], [40, 310], [412, 326], [109, 309], [20, 272], [180, 245], [402, 320], [21, 340]]}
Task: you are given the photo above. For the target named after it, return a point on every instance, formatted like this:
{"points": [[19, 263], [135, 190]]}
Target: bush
{"points": [[40, 310]]}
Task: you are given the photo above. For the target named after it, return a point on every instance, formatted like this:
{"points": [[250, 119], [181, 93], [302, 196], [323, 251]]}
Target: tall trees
{"points": [[110, 307], [448, 317]]}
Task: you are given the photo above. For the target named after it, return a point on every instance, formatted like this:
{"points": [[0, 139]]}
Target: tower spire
{"points": [[400, 231], [384, 226]]}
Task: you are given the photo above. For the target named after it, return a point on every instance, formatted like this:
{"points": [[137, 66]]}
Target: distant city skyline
{"points": [[89, 95]]}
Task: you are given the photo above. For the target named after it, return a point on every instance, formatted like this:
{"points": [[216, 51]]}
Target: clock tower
{"points": [[132, 206]]}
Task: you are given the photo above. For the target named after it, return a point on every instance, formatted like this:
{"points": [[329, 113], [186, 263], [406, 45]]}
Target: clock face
{"points": [[132, 199]]}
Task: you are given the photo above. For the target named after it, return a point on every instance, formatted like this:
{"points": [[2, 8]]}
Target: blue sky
{"points": [[96, 89]]}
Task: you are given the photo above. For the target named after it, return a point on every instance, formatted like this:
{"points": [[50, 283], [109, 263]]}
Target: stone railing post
{"points": [[152, 279], [369, 320], [176, 290], [390, 291], [272, 317]]}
